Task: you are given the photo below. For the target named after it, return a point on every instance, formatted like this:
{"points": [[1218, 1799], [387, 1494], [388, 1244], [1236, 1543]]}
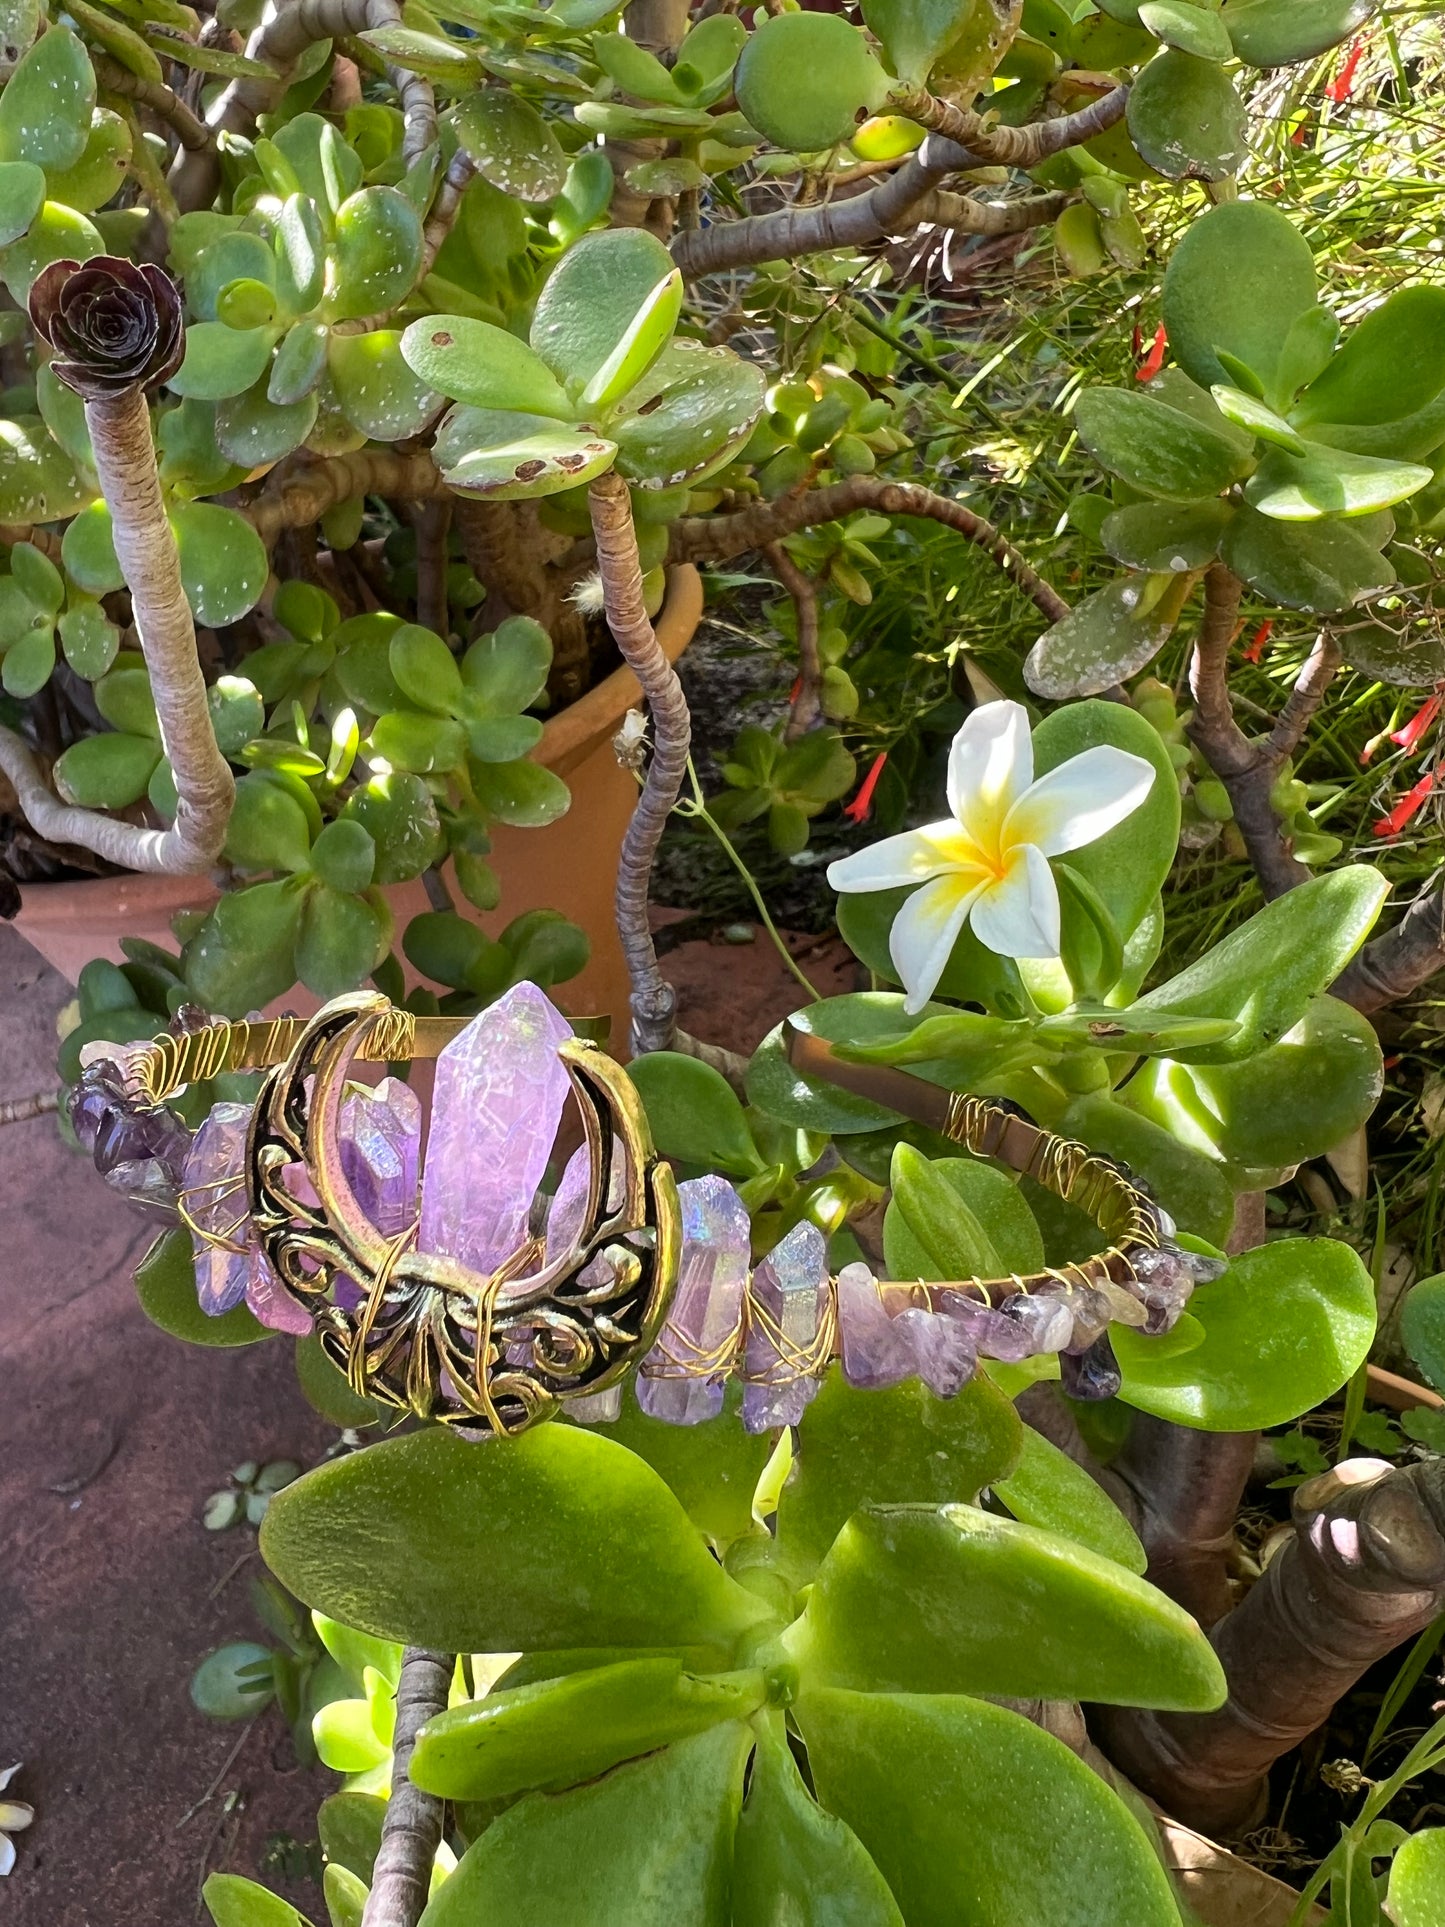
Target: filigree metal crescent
{"points": [[488, 1354]]}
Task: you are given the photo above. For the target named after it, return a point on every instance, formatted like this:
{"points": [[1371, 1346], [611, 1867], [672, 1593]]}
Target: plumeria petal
{"points": [[7, 1854], [1081, 799], [1018, 915], [7, 1774], [15, 1816], [990, 766], [913, 857], [924, 933]]}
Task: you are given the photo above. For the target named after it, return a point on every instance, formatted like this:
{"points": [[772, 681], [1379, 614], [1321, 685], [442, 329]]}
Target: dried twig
{"points": [[17, 1110], [807, 700], [717, 538], [412, 1828], [190, 130], [654, 1002]]}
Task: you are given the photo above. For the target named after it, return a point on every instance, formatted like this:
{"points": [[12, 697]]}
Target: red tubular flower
{"points": [[859, 809], [1257, 642], [1408, 805], [1408, 735], [1343, 84], [1154, 360]]}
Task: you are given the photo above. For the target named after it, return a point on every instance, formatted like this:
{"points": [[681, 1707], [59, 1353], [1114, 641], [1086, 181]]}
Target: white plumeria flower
{"points": [[988, 863], [15, 1816]]}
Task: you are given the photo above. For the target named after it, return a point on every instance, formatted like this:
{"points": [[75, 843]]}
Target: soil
{"points": [[112, 1436]]}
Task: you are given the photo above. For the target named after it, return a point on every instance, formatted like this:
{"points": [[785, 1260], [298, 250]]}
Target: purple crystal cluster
{"points": [[139, 1150], [380, 1150]]}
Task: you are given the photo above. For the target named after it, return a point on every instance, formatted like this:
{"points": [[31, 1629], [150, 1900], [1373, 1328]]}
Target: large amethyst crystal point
{"points": [[381, 1151], [500, 1090], [706, 1307], [791, 1287]]}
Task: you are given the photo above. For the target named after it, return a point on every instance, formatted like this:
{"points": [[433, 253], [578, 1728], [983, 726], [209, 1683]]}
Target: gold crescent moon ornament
{"points": [[564, 1297]]}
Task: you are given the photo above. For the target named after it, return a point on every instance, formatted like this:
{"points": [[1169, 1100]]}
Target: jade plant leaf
{"points": [[1322, 567], [511, 144], [1299, 1098], [647, 1845], [483, 366], [1186, 118], [506, 670], [107, 772], [795, 1862], [224, 564], [1327, 481], [341, 940], [390, 1540], [1046, 1489], [1009, 1610], [556, 1733], [643, 340], [38, 480], [1237, 282], [233, 1901], [1391, 364], [1191, 28], [592, 298], [221, 361], [1160, 449], [22, 193], [916, 33], [400, 815], [845, 83], [889, 1765], [349, 1825], [1422, 1327], [695, 407], [1108, 637], [56, 234], [1128, 865], [956, 1218], [376, 250], [1266, 34], [244, 953], [1165, 537], [713, 1468], [510, 457], [1190, 1185], [375, 389], [165, 1283], [254, 431], [694, 1113], [46, 104], [1265, 973], [897, 1445], [1285, 1327]]}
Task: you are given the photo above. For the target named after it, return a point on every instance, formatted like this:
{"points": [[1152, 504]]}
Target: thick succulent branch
{"points": [[807, 699], [1394, 965], [125, 464], [971, 140], [287, 29], [1364, 1572], [190, 130], [412, 1828], [1246, 769], [654, 1002], [717, 538], [307, 492]]}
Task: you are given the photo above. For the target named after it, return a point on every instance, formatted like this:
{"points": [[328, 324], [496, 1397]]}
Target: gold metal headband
{"points": [[496, 1353]]}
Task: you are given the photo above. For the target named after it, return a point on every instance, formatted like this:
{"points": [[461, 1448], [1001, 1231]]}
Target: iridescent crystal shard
{"points": [[500, 1090], [683, 1376], [789, 1296], [381, 1151], [214, 1192]]}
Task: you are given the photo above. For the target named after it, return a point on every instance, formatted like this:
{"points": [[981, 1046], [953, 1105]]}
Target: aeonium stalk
{"points": [[117, 332]]}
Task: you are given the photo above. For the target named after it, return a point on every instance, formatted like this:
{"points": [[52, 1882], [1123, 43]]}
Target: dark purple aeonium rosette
{"points": [[115, 325]]}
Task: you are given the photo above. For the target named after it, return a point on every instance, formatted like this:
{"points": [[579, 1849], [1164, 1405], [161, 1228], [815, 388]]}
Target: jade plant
{"points": [[368, 362]]}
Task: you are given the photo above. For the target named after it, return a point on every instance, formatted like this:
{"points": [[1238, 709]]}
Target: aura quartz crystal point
{"points": [[500, 1090], [215, 1193], [381, 1151], [706, 1306], [791, 1286]]}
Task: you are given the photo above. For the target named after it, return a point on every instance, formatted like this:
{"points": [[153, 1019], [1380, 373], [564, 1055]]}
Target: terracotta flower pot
{"points": [[570, 866]]}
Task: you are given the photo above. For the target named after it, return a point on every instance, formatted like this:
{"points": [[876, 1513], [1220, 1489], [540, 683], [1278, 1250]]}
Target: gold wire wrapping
{"points": [[225, 1239], [793, 1361]]}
